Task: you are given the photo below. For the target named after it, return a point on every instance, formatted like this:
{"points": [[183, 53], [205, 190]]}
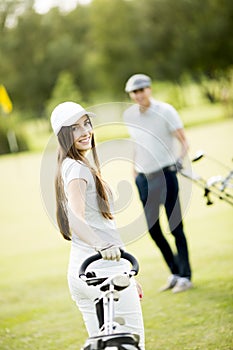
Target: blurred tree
{"points": [[65, 89], [35, 52], [187, 36], [103, 43], [211, 54], [114, 28], [11, 9]]}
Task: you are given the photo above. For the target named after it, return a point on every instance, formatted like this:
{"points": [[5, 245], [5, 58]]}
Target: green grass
{"points": [[36, 309]]}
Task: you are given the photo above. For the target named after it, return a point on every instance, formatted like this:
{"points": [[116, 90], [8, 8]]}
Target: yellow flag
{"points": [[5, 100]]}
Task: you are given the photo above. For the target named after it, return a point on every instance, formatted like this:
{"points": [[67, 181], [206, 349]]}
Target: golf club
{"points": [[217, 185], [201, 154]]}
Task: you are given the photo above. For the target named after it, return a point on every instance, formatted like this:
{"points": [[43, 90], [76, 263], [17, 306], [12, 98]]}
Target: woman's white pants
{"points": [[128, 307]]}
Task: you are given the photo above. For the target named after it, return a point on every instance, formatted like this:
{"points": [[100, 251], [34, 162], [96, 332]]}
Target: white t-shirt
{"points": [[155, 145], [105, 228]]}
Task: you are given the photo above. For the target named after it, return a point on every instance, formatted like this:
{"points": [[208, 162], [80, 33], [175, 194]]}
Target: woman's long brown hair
{"points": [[67, 149]]}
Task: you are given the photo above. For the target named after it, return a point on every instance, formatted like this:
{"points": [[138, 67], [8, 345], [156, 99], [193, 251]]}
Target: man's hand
{"points": [[179, 164]]}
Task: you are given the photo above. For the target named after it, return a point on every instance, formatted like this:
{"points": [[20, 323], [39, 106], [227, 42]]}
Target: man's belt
{"points": [[160, 171]]}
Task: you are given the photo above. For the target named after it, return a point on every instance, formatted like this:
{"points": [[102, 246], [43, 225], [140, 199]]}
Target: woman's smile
{"points": [[85, 140]]}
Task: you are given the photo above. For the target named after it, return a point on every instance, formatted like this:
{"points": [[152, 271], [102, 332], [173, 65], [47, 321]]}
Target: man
{"points": [[157, 130]]}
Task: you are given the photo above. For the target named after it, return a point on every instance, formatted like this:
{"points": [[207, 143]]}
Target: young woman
{"points": [[84, 216]]}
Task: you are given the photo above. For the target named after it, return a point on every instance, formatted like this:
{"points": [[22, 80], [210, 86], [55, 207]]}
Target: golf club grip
{"points": [[134, 270]]}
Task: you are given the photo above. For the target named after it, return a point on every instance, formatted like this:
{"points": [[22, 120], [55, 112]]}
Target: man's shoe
{"points": [[182, 285], [171, 282]]}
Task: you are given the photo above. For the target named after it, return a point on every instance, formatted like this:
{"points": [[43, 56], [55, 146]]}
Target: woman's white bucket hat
{"points": [[66, 114]]}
